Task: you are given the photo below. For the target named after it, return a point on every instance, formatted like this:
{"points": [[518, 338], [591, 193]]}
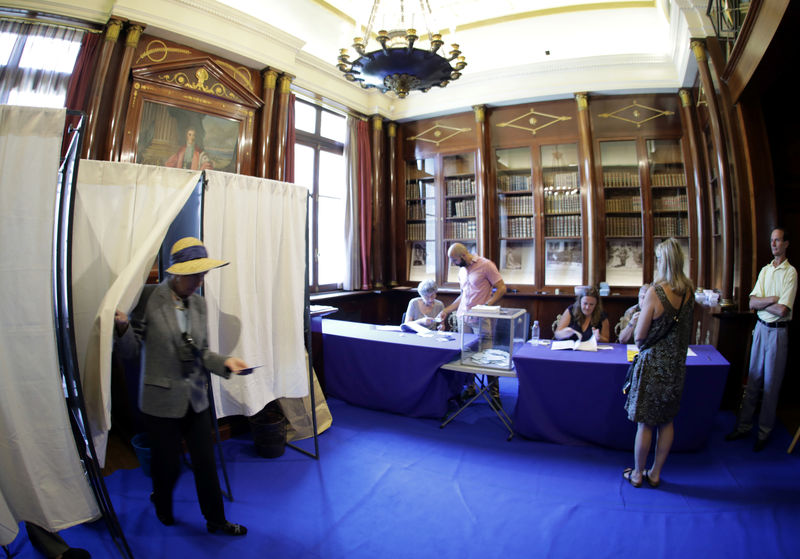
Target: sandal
{"points": [[228, 528], [627, 474], [650, 482]]}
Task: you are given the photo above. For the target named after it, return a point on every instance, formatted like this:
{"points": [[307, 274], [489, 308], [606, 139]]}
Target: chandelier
{"points": [[401, 61]]}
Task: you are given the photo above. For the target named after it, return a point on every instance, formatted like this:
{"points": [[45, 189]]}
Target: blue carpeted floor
{"points": [[396, 487]]}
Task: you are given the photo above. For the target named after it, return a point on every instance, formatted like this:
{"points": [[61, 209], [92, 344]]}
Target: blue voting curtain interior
{"points": [[65, 340]]}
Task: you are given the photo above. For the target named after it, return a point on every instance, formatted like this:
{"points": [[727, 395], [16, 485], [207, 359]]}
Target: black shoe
{"points": [[735, 435], [760, 445], [227, 528], [165, 517]]}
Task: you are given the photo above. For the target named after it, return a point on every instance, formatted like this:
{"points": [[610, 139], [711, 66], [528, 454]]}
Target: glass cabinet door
{"points": [[562, 215], [459, 205], [515, 207], [421, 220], [668, 194], [622, 192]]}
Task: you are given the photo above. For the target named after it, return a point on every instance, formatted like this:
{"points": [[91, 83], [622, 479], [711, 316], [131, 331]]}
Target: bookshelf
{"points": [[460, 217], [622, 194], [515, 207], [420, 207]]}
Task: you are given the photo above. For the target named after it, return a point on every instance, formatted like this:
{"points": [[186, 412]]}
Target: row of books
{"points": [[623, 226], [460, 186], [569, 203], [671, 226], [517, 227], [416, 210], [417, 232], [461, 208], [562, 226], [562, 180], [624, 204], [513, 183], [670, 203], [516, 205], [420, 189], [617, 179], [460, 229], [668, 179]]}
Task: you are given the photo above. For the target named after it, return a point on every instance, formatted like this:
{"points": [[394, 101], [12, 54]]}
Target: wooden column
{"points": [[269, 79], [116, 121], [721, 162], [591, 270], [90, 147], [282, 123], [391, 129], [700, 246], [378, 203], [483, 220]]}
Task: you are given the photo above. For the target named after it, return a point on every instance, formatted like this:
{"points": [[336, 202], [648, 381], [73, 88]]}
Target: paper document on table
{"points": [[632, 351], [588, 345], [414, 327], [690, 353], [486, 308], [389, 328]]}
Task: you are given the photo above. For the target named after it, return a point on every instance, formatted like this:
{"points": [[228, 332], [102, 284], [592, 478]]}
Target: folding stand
{"points": [[481, 376]]}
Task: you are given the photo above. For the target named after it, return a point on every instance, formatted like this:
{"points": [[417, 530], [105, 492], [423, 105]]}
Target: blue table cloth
{"points": [[575, 397], [390, 371]]}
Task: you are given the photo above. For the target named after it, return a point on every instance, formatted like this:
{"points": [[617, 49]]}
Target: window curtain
{"points": [[41, 476], [81, 79], [358, 205], [365, 200], [290, 139], [121, 216], [17, 85]]}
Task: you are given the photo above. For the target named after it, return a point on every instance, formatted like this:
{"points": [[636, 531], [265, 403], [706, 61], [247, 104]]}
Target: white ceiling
{"points": [[516, 50]]}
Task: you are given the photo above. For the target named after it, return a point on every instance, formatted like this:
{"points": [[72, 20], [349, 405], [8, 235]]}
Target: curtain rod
{"points": [[50, 23]]}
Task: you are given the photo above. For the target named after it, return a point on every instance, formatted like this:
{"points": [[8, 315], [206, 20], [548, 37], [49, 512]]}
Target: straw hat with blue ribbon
{"points": [[188, 256]]}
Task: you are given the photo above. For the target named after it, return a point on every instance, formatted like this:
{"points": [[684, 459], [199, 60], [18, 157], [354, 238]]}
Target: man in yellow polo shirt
{"points": [[772, 298]]}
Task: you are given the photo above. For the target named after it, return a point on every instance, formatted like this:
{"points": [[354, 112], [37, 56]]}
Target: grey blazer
{"points": [[164, 390]]}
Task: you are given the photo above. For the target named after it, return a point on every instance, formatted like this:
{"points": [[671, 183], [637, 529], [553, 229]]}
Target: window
{"points": [[36, 62], [320, 165]]}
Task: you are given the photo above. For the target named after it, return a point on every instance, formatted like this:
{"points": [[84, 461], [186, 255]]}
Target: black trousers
{"points": [[165, 437]]}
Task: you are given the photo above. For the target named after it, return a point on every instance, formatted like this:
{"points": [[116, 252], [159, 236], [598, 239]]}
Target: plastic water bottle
{"points": [[535, 332]]}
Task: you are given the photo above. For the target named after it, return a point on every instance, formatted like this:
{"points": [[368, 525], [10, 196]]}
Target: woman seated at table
{"points": [[584, 319], [424, 308], [631, 317]]}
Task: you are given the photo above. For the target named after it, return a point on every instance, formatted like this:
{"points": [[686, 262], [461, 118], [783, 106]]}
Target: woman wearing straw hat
{"points": [[170, 323]]}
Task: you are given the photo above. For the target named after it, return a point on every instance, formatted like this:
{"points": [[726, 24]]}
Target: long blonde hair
{"points": [[669, 266]]}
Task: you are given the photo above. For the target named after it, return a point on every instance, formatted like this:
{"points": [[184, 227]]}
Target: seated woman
{"points": [[424, 308], [584, 319], [631, 317]]}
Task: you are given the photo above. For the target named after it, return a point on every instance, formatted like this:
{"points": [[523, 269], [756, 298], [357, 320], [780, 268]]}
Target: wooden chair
{"points": [[555, 325]]}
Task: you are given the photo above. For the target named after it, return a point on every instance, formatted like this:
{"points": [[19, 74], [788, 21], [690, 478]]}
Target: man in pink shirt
{"points": [[477, 277]]}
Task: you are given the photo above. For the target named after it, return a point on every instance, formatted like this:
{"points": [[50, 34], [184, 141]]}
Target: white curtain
{"points": [[256, 305], [41, 476], [122, 213], [352, 211]]}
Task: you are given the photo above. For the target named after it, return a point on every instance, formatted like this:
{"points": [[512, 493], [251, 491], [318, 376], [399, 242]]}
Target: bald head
{"points": [[459, 255]]}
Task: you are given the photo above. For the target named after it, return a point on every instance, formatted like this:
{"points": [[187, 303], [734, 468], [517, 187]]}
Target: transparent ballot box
{"points": [[490, 335]]}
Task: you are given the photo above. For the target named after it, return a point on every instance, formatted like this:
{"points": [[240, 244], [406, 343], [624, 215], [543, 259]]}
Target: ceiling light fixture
{"points": [[401, 61]]}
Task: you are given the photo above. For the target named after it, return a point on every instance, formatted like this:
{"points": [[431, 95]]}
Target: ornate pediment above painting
{"points": [[188, 109]]}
